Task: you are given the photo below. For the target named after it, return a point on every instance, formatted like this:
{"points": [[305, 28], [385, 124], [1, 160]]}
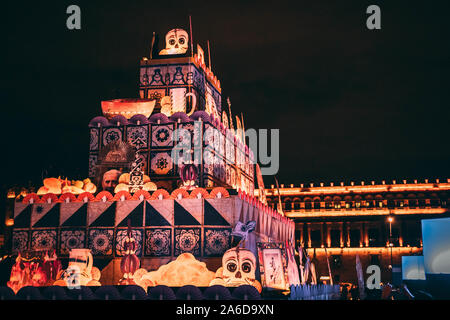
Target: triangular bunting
{"points": [[274, 228], [244, 212], [102, 218], [269, 226], [183, 217], [74, 214], [212, 217], [131, 209], [22, 218], [238, 210], [153, 217], [250, 209]]}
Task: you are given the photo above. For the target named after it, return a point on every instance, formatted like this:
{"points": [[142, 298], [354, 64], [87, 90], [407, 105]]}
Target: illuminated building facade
{"points": [[380, 222]]}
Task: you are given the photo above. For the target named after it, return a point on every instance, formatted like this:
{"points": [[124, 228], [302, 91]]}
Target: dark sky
{"points": [[351, 103]]}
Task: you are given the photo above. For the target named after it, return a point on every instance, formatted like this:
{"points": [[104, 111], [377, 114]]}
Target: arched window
{"points": [[434, 200], [296, 203], [308, 203], [348, 202], [328, 202], [412, 200], [358, 200], [379, 201], [337, 202], [422, 203], [369, 202], [316, 203], [288, 204]]}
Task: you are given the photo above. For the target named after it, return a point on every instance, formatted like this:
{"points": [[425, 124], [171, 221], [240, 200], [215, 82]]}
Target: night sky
{"points": [[352, 104]]}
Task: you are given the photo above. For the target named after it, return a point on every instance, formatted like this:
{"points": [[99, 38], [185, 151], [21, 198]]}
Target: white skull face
{"points": [[176, 42], [238, 267]]}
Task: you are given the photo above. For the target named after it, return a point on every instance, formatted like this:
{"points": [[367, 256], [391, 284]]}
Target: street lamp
{"points": [[390, 220]]}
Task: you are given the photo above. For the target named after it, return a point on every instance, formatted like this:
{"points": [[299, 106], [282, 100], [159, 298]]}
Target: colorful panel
{"points": [[111, 135], [178, 77], [73, 214], [195, 130], [217, 241], [43, 239], [212, 216], [22, 216], [71, 239], [100, 241], [161, 163], [45, 215], [183, 216], [158, 242], [208, 162], [161, 215], [93, 158], [19, 240], [94, 139], [187, 240], [208, 136], [121, 235], [162, 135], [132, 210], [102, 214], [156, 78], [156, 94], [137, 136]]}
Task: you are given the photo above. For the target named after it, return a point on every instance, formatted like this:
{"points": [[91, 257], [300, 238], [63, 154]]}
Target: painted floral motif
{"points": [[43, 239], [161, 163], [120, 240], [158, 243], [137, 136], [111, 135], [217, 241], [100, 241], [72, 239], [187, 240], [19, 241], [162, 136]]}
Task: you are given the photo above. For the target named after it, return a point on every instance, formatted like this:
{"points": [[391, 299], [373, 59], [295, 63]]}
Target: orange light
{"points": [[390, 219], [9, 222]]}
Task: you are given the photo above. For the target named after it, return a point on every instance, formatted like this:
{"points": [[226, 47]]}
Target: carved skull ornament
{"points": [[238, 267], [176, 42]]}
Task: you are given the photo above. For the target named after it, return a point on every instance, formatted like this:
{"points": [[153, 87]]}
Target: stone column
{"points": [[308, 226], [348, 234], [361, 234]]}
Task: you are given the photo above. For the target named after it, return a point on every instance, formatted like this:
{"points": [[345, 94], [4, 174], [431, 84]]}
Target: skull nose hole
{"points": [[238, 274]]}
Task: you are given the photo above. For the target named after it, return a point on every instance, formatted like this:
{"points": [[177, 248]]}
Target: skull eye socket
{"points": [[181, 41], [231, 267], [172, 42], [246, 267]]}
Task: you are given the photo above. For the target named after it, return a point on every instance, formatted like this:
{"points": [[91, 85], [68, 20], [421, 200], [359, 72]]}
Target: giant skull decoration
{"points": [[238, 268], [176, 42]]}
